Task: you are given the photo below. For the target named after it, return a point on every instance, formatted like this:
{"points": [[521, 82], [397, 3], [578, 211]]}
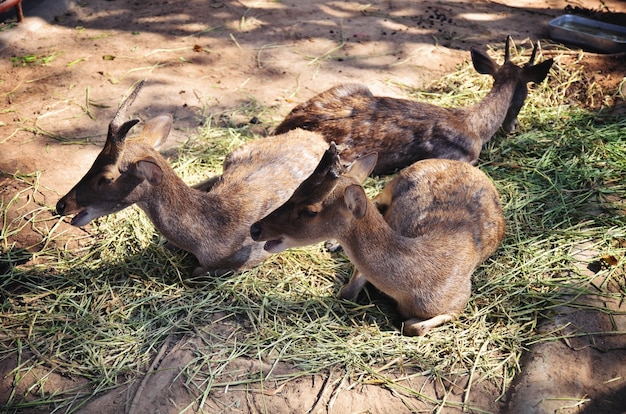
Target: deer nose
{"points": [[60, 207], [255, 231]]}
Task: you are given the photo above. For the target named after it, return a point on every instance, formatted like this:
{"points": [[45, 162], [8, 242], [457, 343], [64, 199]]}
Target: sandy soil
{"points": [[204, 58]]}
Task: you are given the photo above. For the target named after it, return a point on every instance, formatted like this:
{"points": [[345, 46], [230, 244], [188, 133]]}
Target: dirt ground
{"points": [[203, 58]]}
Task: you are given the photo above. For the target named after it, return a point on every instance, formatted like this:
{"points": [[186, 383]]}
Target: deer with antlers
{"points": [[441, 219], [211, 221], [403, 131]]}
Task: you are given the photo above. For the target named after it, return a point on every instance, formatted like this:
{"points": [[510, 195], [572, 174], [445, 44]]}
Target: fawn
{"points": [[441, 219], [212, 221], [403, 131]]}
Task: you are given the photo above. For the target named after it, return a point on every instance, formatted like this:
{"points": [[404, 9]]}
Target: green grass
{"points": [[101, 312]]}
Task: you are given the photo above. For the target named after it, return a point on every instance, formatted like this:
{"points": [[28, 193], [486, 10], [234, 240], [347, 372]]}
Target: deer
{"points": [[419, 241], [212, 220], [402, 131]]}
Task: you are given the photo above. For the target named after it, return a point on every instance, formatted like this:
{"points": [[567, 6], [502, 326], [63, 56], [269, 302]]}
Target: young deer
{"points": [[403, 131], [214, 224], [442, 218]]}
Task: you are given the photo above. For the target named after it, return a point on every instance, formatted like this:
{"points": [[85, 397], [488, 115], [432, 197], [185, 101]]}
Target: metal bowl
{"points": [[588, 34]]}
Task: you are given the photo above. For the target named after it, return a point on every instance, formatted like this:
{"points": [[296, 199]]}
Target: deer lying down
{"points": [[403, 131], [213, 225], [442, 218]]}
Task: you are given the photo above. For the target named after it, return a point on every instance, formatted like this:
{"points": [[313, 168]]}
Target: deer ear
{"points": [[156, 130], [356, 200], [362, 167], [148, 169], [483, 63], [537, 73]]}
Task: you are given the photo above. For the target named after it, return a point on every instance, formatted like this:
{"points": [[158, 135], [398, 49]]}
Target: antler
{"points": [[507, 52], [531, 61], [330, 164], [118, 128], [324, 179], [336, 169]]}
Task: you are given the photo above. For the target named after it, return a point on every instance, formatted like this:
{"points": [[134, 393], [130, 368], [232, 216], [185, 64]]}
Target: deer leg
{"points": [[354, 286], [418, 327]]}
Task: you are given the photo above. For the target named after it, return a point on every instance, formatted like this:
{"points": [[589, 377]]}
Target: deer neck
{"points": [[485, 117], [368, 245], [178, 211]]}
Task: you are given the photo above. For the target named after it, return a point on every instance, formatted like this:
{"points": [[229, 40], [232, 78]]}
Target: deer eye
{"points": [[308, 213], [105, 181]]}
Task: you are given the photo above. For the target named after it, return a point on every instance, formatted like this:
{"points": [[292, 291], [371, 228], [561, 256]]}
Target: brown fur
{"points": [[403, 131], [442, 218], [212, 222]]}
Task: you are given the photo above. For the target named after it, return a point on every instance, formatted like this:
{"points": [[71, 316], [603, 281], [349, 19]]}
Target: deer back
{"points": [[258, 177], [443, 197]]}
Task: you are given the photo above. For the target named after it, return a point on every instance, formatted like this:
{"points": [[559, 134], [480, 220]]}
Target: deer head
{"points": [[115, 179], [509, 72], [318, 206]]}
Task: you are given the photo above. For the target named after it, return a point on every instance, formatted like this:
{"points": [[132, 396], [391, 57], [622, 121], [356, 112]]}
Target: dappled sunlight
{"points": [[480, 17]]}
